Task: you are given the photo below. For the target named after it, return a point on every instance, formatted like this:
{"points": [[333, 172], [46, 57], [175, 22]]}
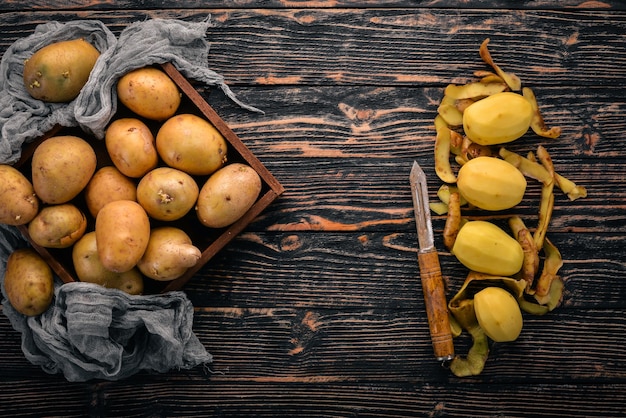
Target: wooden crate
{"points": [[209, 240]]}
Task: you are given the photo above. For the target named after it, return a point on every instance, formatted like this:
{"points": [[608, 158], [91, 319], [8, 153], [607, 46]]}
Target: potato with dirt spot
{"points": [[227, 195], [169, 255], [149, 92], [191, 144], [107, 185], [89, 268], [131, 146], [19, 202], [122, 234], [167, 194], [58, 226], [61, 168], [57, 72], [28, 282]]}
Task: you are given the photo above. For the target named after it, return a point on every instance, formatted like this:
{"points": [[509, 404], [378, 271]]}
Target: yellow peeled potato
{"points": [[106, 185], [62, 167], [89, 268], [498, 314], [169, 255], [57, 226], [191, 144], [150, 93], [227, 195], [28, 282], [131, 146], [122, 234], [19, 202], [497, 119]]}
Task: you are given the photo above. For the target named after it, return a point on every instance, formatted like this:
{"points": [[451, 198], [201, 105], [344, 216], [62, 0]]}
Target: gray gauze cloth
{"points": [[90, 332]]}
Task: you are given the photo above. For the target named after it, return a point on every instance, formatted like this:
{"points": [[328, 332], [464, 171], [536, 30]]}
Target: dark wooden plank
{"points": [[198, 4], [315, 309], [318, 399], [378, 270], [296, 345], [389, 46]]}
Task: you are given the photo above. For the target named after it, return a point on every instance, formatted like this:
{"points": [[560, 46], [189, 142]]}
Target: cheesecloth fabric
{"points": [[90, 332]]}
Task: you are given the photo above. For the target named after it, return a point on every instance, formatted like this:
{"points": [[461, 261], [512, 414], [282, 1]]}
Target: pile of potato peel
{"points": [[473, 123]]}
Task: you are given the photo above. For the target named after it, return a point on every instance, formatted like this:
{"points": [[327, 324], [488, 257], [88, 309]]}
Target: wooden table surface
{"points": [[316, 309]]}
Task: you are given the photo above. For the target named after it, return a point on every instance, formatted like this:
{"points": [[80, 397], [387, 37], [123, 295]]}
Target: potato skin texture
{"points": [[19, 202], [57, 72], [191, 144], [28, 282], [150, 93], [57, 226], [89, 268], [131, 146], [167, 194], [107, 185], [122, 234], [227, 195], [169, 255], [61, 168]]}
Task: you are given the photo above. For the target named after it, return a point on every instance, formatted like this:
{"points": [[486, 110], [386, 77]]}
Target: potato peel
{"points": [[510, 79], [537, 123]]}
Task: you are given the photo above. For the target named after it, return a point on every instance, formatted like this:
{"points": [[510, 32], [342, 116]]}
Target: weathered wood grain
{"points": [[197, 4], [315, 310], [389, 46]]}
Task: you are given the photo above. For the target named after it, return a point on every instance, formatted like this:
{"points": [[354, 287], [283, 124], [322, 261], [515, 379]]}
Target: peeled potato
{"points": [[498, 314], [227, 195], [131, 146], [106, 185], [19, 202], [149, 92], [62, 167], [169, 255], [89, 268], [57, 226], [122, 234], [28, 282], [191, 144]]}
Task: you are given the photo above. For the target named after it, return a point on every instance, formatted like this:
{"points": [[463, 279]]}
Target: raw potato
{"points": [[106, 186], [167, 194], [89, 268], [131, 146], [227, 195], [169, 255], [491, 183], [150, 93], [19, 202], [61, 168], [484, 247], [57, 226], [498, 314], [497, 119], [191, 144], [122, 234], [28, 282], [57, 72]]}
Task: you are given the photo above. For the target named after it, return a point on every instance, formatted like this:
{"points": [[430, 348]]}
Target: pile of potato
{"points": [[151, 177]]}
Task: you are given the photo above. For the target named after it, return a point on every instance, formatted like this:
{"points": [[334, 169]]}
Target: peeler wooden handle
{"points": [[436, 306]]}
